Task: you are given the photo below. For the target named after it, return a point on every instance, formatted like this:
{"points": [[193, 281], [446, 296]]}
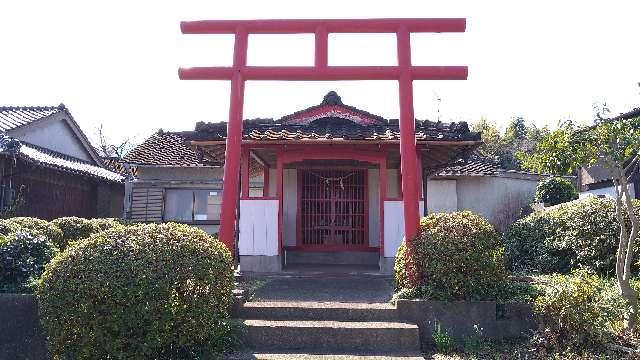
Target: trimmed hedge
{"points": [[139, 292], [555, 190], [579, 234], [455, 256], [76, 228], [23, 256], [32, 225]]}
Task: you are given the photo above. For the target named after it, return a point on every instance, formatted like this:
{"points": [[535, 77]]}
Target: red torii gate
{"points": [[404, 73]]}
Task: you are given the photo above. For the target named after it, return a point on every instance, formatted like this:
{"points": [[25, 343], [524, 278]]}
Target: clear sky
{"points": [[115, 62]]}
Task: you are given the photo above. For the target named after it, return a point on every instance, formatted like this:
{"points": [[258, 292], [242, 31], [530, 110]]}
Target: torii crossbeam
{"points": [[404, 73]]}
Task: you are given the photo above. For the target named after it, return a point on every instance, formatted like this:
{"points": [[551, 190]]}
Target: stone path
{"points": [[326, 285], [317, 312]]}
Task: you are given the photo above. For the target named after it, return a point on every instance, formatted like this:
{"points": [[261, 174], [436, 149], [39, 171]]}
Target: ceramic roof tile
{"points": [[12, 117], [54, 160]]}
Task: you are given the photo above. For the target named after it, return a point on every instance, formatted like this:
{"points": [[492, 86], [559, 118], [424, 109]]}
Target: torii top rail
{"points": [[404, 73]]}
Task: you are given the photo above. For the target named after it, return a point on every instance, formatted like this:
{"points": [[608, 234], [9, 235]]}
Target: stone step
{"points": [[331, 336], [332, 257], [318, 311], [307, 356]]}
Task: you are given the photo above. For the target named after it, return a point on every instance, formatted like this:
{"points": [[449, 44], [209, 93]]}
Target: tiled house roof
{"points": [[54, 160], [476, 165], [164, 149], [12, 117]]}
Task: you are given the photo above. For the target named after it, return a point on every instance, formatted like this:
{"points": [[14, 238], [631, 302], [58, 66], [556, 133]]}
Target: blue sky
{"points": [[115, 62]]}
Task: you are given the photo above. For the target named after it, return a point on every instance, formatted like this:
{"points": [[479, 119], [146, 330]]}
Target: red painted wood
{"points": [[330, 73], [265, 180], [322, 47], [332, 213], [383, 194], [234, 138], [246, 157], [408, 155], [404, 73], [297, 26], [332, 248], [334, 154], [279, 190]]}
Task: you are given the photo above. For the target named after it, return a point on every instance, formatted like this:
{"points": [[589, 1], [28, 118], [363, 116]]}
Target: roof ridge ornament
{"points": [[332, 98]]}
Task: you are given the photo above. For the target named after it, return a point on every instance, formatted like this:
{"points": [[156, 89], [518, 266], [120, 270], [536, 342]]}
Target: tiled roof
{"points": [[164, 149], [332, 129], [476, 165], [332, 120], [54, 160], [12, 117]]}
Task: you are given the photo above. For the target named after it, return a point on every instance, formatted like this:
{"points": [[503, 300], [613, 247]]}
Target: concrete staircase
{"points": [[363, 258], [334, 329]]}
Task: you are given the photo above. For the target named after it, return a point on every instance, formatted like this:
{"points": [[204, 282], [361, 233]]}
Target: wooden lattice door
{"points": [[332, 209]]}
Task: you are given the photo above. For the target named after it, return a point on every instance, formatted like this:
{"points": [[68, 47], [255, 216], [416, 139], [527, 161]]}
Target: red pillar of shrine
{"points": [[408, 155], [234, 139]]}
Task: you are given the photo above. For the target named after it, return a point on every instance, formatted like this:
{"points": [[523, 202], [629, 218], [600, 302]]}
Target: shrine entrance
{"points": [[333, 208]]}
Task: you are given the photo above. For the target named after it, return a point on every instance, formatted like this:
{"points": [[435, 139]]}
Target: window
{"points": [[192, 205]]}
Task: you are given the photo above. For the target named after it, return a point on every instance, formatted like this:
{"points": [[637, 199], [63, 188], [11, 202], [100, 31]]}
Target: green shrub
{"points": [[102, 224], [579, 309], [443, 342], [32, 225], [456, 256], [74, 229], [528, 246], [554, 191], [578, 234], [138, 292], [23, 256]]}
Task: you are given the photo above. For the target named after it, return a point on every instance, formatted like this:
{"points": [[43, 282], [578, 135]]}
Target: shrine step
{"points": [[331, 336], [332, 257], [318, 311]]}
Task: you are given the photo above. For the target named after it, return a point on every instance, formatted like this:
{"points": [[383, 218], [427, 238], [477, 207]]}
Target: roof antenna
{"points": [[438, 101]]}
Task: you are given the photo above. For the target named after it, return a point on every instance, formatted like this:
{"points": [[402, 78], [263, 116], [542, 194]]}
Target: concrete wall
{"points": [[497, 198], [53, 133], [21, 335], [500, 199], [442, 196], [458, 318]]}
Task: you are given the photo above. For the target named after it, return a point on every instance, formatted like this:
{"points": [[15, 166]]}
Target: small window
{"points": [[193, 205]]}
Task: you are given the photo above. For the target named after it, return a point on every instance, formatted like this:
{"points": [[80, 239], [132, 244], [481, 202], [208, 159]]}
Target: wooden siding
{"points": [[147, 204]]}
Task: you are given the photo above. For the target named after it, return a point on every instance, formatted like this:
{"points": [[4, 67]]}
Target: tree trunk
{"points": [[628, 293]]}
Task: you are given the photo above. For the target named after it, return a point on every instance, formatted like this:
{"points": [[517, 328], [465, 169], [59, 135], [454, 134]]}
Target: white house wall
{"points": [[258, 227], [608, 192], [392, 183], [394, 226], [53, 133]]}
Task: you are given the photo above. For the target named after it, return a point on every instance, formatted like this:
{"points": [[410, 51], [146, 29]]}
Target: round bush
{"points": [[32, 225], [73, 229], [554, 191], [528, 247], [138, 292], [23, 256], [577, 234], [455, 256]]}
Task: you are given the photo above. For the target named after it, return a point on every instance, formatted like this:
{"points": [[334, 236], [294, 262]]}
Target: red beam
{"points": [[322, 47], [330, 73], [293, 26]]}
